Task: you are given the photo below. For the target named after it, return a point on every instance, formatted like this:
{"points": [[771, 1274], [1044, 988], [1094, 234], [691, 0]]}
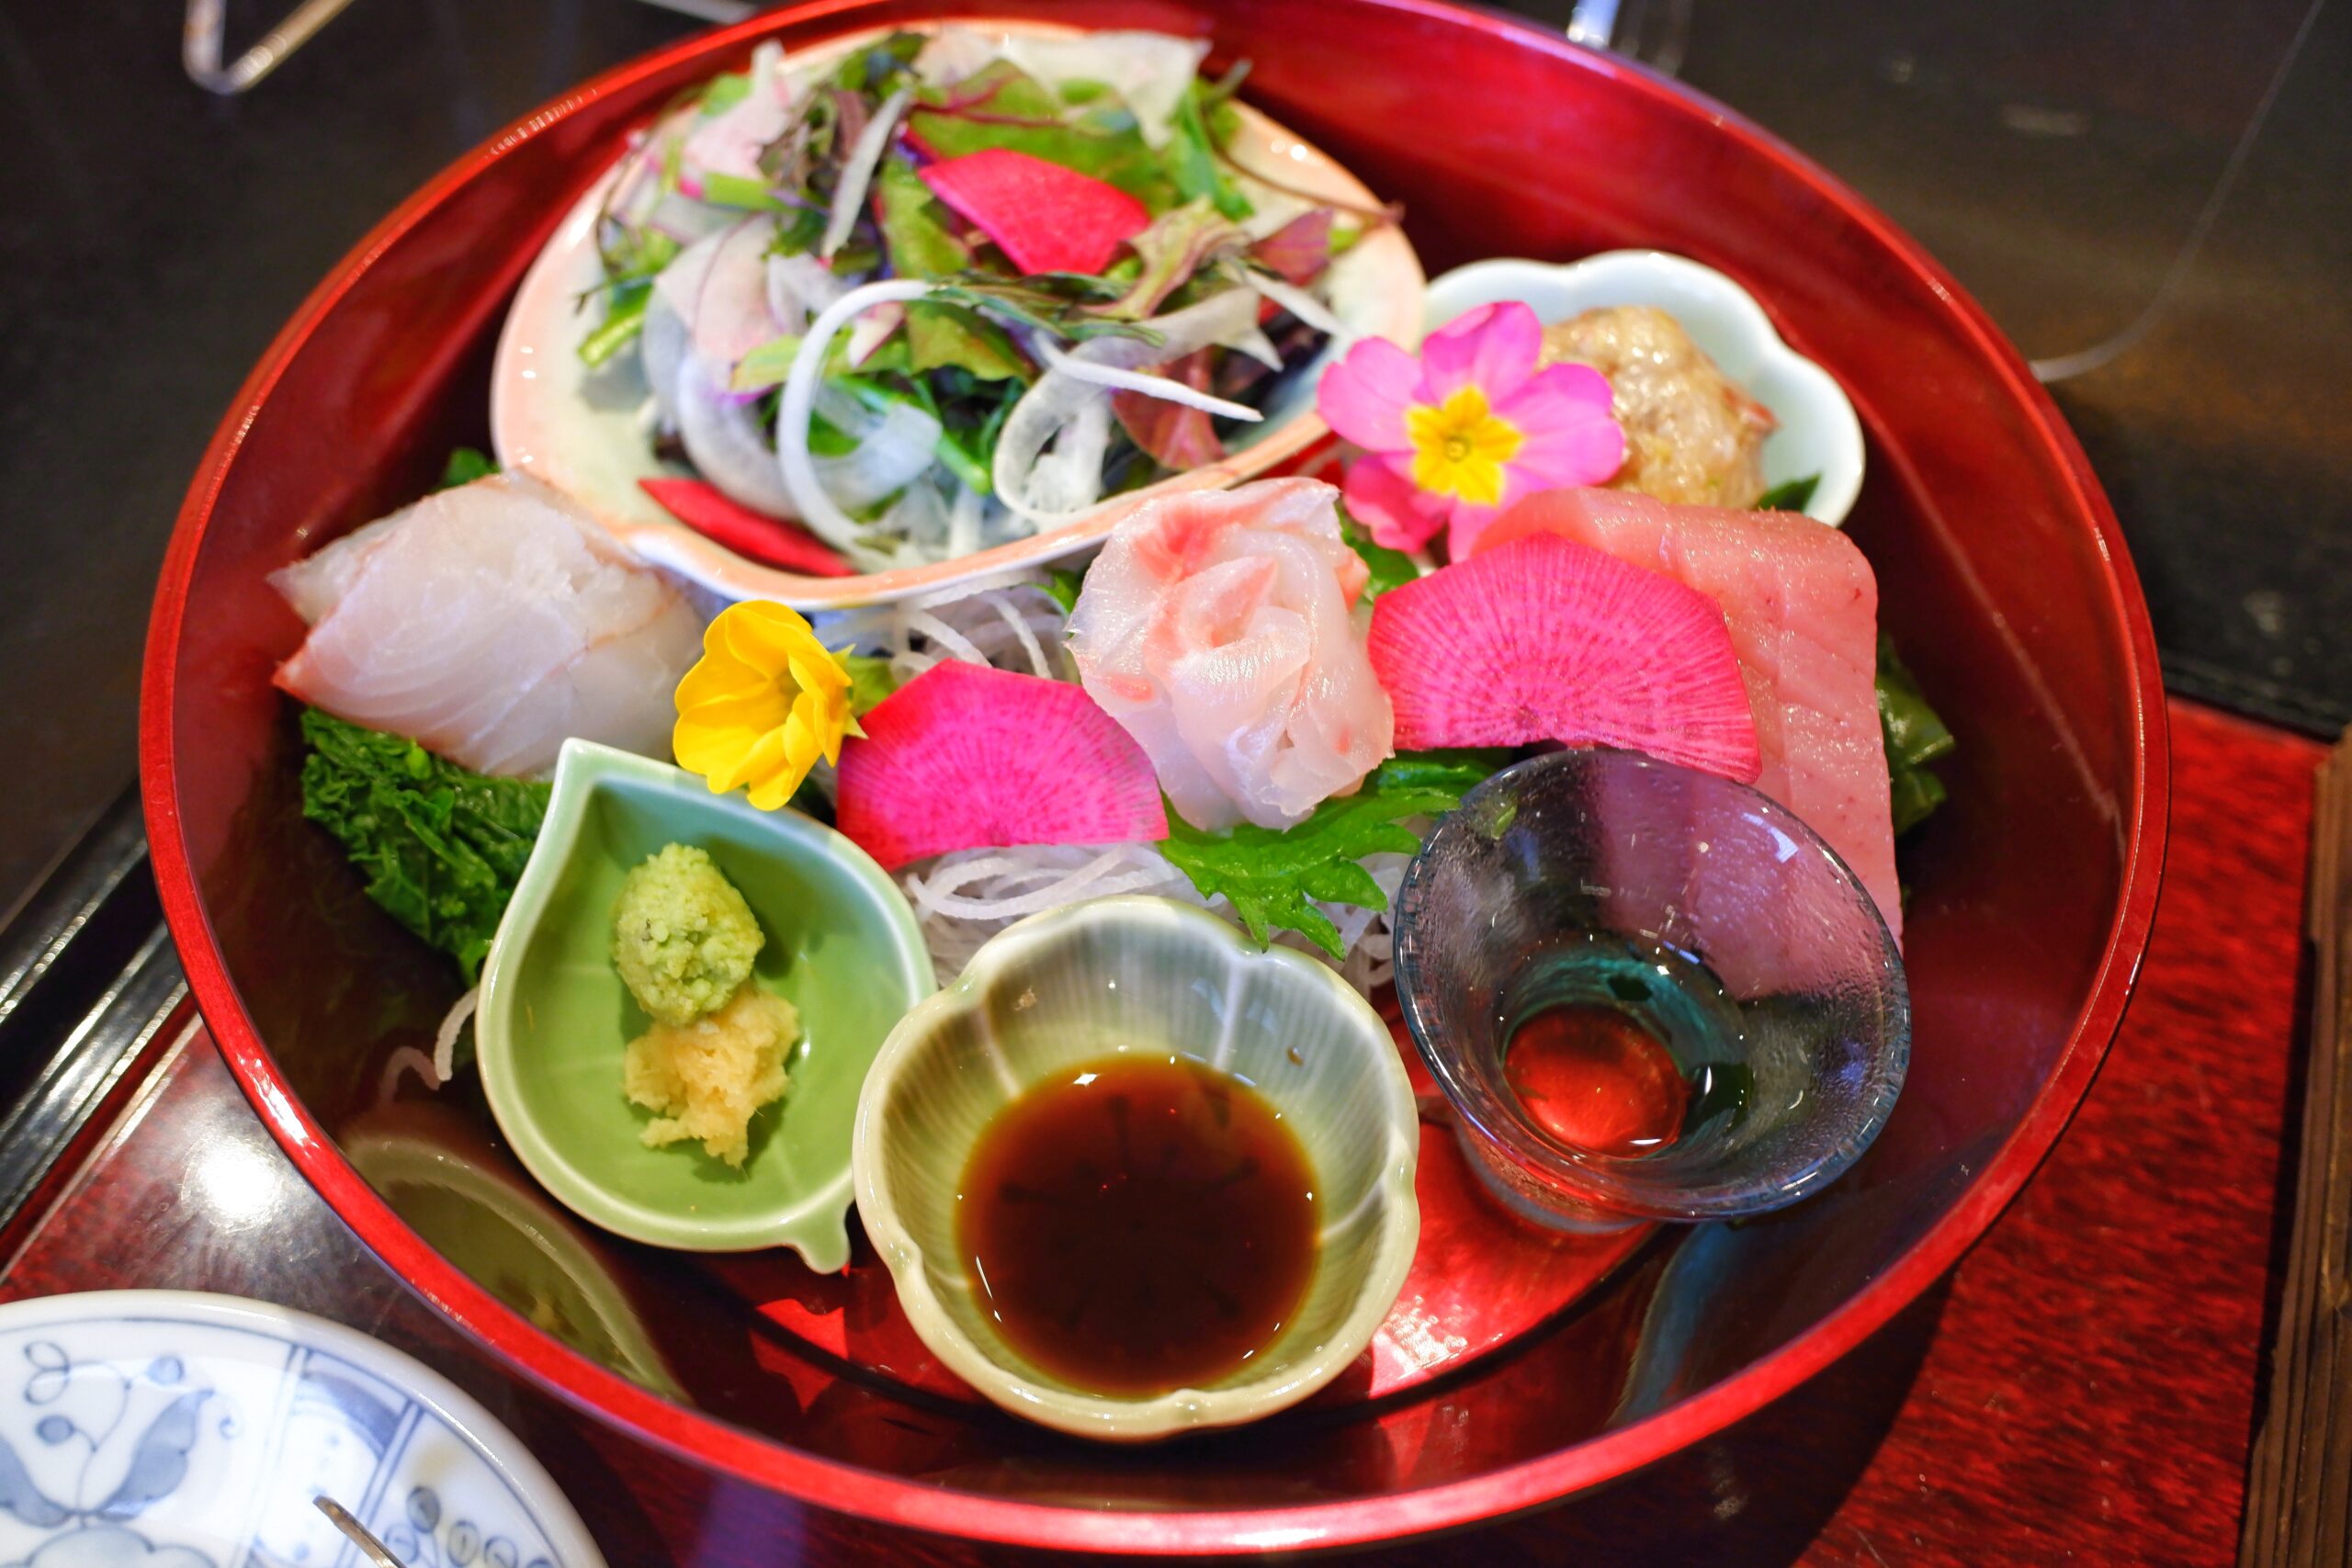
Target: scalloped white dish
{"points": [[1818, 431], [582, 429], [1132, 972]]}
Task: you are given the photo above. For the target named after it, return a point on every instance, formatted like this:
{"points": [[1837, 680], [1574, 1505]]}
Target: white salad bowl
{"points": [[1818, 433], [583, 430], [1149, 975]]}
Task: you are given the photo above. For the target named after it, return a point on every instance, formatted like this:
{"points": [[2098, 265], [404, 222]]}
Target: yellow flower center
{"points": [[1459, 447]]}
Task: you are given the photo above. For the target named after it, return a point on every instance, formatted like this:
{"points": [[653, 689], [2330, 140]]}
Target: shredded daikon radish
{"points": [[1151, 386], [1303, 305], [406, 1059], [1066, 413], [964, 898], [857, 172], [815, 508], [444, 1039]]}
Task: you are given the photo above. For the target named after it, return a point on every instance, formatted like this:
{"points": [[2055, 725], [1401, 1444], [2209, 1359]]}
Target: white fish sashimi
{"points": [[1223, 631], [488, 624]]}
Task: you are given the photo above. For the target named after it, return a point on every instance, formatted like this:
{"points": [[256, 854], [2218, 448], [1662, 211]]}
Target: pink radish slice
{"points": [[1044, 216], [722, 520], [967, 757], [1547, 640]]}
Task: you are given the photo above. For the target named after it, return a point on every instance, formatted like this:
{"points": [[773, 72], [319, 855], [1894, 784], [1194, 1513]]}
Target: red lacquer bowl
{"points": [[2003, 574]]}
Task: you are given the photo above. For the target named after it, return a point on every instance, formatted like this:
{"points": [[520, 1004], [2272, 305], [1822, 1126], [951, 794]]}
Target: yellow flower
{"points": [[762, 705], [1459, 447]]}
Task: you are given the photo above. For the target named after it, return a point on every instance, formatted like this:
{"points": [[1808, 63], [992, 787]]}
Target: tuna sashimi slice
{"points": [[487, 624], [1802, 607], [967, 757], [1044, 216], [1549, 640]]}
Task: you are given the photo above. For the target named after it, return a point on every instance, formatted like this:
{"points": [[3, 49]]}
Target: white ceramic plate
{"points": [[163, 1429], [579, 429], [1818, 433]]}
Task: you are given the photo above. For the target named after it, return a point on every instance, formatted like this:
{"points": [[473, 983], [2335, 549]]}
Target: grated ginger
{"points": [[706, 1078]]}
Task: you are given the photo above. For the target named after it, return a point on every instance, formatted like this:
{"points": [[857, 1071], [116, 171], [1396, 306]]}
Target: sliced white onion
{"points": [[1258, 347], [963, 522], [1151, 386], [405, 1059], [952, 54], [857, 171], [872, 330], [732, 142], [444, 1039], [1074, 482], [901, 448], [725, 441], [804, 491], [799, 287], [1303, 305], [662, 347], [1148, 70], [718, 284], [1056, 410]]}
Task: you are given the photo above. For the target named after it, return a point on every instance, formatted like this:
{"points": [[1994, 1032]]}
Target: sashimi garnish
{"points": [[965, 756], [1546, 640], [1044, 216], [723, 520]]}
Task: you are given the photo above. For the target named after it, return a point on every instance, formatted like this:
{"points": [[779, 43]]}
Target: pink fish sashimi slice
{"points": [[1546, 639], [1044, 216], [489, 623], [967, 757], [1802, 607]]}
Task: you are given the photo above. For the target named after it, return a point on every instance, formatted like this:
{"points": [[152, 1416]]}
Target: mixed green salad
{"points": [[955, 288]]}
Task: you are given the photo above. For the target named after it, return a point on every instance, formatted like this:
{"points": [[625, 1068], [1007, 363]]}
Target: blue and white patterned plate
{"points": [[163, 1429]]}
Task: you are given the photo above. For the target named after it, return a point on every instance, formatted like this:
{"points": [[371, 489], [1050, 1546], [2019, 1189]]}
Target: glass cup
{"points": [[1648, 992]]}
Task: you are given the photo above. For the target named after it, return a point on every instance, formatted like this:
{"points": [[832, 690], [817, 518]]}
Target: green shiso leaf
{"points": [[441, 848], [1003, 107], [871, 682], [1915, 737], [1273, 877], [624, 318], [1063, 586], [1794, 495], [1390, 569], [940, 335], [917, 232], [764, 366], [1192, 165], [465, 465]]}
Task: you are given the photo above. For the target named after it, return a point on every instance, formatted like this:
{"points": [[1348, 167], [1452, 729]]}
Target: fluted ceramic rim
{"points": [[1183, 1409], [1821, 409], [1617, 1184]]}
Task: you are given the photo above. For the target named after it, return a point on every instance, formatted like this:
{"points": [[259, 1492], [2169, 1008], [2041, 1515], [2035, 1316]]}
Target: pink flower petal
{"points": [[1467, 523], [1570, 437], [1386, 501], [1363, 397], [1494, 347]]}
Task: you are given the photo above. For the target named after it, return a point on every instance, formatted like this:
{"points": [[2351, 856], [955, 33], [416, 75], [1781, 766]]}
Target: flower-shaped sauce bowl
{"points": [[555, 1019], [1818, 433], [1079, 984], [582, 429]]}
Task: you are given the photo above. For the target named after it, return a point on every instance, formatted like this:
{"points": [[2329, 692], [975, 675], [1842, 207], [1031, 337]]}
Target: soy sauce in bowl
{"points": [[1138, 1225]]}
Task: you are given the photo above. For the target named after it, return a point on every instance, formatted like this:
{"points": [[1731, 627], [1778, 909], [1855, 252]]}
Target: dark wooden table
{"points": [[2082, 1389]]}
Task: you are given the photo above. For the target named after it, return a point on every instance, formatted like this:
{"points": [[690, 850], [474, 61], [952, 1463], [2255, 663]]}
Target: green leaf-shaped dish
{"points": [[555, 1020]]}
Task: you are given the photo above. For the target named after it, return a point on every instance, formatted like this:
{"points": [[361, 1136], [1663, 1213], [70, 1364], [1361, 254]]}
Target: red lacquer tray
{"points": [[1507, 1377]]}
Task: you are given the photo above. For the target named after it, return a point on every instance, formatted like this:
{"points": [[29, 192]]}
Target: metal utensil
{"points": [[375, 1551]]}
